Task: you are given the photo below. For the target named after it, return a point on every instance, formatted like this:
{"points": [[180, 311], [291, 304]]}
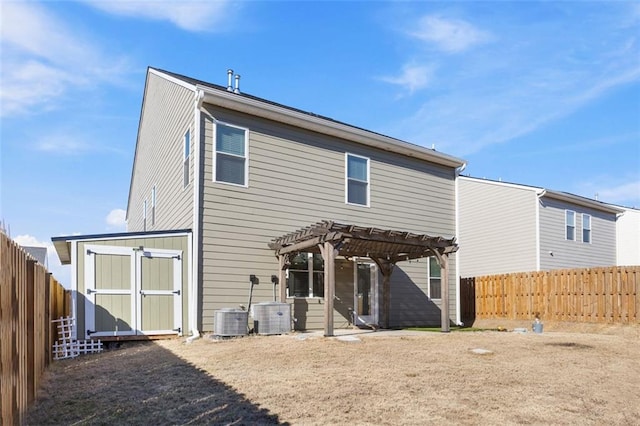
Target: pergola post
{"points": [[282, 277], [386, 268], [329, 255], [443, 260]]}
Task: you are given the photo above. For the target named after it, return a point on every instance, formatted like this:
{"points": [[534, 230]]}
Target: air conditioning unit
{"points": [[230, 322], [271, 317]]}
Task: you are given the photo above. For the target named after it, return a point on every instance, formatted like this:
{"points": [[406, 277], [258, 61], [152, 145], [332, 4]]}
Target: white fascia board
{"points": [[280, 114], [172, 79], [582, 201], [537, 190]]}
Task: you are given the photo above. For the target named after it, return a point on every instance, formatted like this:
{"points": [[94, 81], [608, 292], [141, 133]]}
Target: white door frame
{"points": [[90, 293], [134, 289], [372, 318], [151, 253]]}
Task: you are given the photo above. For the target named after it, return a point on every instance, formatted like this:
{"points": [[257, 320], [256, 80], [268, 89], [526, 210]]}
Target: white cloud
{"points": [[44, 59], [188, 15], [117, 219], [59, 271], [449, 35], [413, 77], [67, 142]]}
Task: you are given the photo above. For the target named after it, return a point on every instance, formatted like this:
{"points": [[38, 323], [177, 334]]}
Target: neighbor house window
{"points": [[357, 180], [144, 216], [570, 222], [434, 279], [185, 161], [153, 205], [586, 228], [230, 162], [306, 276]]}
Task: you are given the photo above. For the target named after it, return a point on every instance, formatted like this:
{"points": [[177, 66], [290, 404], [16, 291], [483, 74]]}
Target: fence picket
{"points": [[29, 299], [596, 295]]}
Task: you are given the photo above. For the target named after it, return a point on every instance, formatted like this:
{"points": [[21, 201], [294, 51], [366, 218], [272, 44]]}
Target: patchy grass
{"points": [[452, 329], [414, 378]]}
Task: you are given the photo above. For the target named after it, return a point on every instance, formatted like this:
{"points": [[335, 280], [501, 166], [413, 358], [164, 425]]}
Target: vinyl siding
{"points": [[497, 228], [628, 237], [296, 178], [575, 254], [170, 242], [159, 158]]}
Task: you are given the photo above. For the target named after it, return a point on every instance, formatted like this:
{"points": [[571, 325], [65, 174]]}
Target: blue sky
{"points": [[538, 93]]}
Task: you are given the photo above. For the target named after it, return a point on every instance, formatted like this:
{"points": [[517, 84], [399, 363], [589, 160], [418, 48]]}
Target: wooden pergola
{"points": [[384, 247]]}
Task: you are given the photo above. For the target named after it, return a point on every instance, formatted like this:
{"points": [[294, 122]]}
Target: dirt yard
{"points": [[411, 378]]}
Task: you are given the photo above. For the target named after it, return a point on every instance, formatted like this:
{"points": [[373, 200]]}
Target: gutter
{"points": [[459, 171], [247, 105], [195, 254]]}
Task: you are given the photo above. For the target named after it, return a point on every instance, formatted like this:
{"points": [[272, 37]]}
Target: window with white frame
{"points": [[230, 155], [153, 206], [144, 216], [586, 228], [435, 278], [185, 159], [306, 276], [357, 180], [570, 225]]}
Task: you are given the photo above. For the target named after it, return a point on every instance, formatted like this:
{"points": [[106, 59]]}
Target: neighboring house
{"points": [[38, 253], [242, 172], [628, 237], [506, 227]]}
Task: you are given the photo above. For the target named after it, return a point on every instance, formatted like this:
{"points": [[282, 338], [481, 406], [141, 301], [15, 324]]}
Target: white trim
{"points": [[373, 317], [457, 254], [584, 229], [153, 253], [172, 79], [428, 258], [538, 202], [74, 286], [90, 299], [153, 205], [346, 179], [217, 123], [566, 224], [193, 238], [260, 108]]}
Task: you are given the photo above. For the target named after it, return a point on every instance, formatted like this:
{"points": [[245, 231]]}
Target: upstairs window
{"points": [[570, 224], [306, 276], [586, 228], [230, 162], [357, 180], [185, 161], [434, 279]]}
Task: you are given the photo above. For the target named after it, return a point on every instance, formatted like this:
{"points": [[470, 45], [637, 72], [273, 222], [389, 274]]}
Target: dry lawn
{"points": [[380, 378]]}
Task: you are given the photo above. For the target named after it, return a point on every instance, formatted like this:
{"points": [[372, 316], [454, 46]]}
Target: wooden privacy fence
{"points": [[29, 299], [596, 295]]}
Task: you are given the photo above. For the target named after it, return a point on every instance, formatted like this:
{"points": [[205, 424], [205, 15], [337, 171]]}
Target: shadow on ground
{"points": [[100, 389]]}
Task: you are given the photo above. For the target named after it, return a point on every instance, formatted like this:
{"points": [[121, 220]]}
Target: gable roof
{"points": [[556, 195], [216, 94]]}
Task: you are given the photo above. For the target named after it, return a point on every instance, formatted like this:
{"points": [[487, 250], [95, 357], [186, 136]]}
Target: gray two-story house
{"points": [[264, 187], [506, 227]]}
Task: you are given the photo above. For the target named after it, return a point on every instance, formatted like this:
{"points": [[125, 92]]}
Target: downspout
{"points": [[538, 248], [195, 250], [459, 171]]}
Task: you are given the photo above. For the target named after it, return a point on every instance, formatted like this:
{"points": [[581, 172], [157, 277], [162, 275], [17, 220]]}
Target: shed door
{"points": [[109, 297], [159, 279]]}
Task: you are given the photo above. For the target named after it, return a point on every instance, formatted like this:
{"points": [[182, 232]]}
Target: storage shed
{"points": [[130, 286]]}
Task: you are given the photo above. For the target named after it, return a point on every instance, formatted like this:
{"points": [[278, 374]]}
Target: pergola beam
{"points": [[384, 247]]}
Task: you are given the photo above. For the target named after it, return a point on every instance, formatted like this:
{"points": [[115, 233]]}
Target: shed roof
{"points": [[358, 241], [63, 244]]}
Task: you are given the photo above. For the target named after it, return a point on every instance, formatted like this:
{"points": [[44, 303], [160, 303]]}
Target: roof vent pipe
{"points": [[237, 89], [229, 80]]}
